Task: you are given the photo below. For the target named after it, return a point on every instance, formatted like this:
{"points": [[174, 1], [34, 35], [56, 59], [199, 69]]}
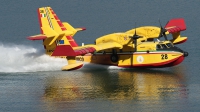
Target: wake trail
{"points": [[21, 58]]}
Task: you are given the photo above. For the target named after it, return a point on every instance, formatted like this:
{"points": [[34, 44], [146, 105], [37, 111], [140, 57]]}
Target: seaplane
{"points": [[140, 47]]}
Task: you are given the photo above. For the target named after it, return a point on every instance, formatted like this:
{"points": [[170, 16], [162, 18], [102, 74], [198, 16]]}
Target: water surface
{"points": [[32, 81]]}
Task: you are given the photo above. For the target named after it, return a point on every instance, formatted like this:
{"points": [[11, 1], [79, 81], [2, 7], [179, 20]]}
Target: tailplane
{"points": [[53, 31]]}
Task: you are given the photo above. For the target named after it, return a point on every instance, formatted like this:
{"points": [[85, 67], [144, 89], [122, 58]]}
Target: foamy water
{"points": [[20, 58], [91, 66]]}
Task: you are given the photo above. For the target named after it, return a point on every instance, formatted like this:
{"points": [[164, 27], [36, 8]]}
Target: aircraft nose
{"points": [[185, 54]]}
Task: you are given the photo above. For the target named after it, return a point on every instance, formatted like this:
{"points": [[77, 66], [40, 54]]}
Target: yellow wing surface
{"points": [[174, 27], [67, 50]]}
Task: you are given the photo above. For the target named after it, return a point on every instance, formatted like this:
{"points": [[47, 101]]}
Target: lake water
{"points": [[32, 81]]}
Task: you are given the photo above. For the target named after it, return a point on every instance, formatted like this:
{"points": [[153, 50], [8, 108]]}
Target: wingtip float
{"points": [[134, 48]]}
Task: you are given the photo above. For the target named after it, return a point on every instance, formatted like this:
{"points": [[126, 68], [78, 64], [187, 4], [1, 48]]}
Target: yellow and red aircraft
{"points": [[124, 49]]}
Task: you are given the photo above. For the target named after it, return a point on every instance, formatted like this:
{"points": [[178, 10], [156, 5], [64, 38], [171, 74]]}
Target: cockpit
{"points": [[169, 46], [164, 46]]}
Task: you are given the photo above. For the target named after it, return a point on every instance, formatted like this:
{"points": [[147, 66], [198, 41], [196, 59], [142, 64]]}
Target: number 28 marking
{"points": [[164, 56]]}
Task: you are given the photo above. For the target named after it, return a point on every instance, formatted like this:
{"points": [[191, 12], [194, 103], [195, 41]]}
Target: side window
{"points": [[169, 45], [163, 46], [158, 46]]}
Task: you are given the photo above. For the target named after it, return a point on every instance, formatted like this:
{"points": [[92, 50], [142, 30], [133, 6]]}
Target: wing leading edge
{"points": [[67, 50]]}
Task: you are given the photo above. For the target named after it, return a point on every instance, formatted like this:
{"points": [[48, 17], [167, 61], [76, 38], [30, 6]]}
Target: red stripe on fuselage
{"points": [[169, 63], [134, 53]]}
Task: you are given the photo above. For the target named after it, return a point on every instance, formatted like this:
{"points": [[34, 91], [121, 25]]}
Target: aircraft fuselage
{"points": [[135, 59]]}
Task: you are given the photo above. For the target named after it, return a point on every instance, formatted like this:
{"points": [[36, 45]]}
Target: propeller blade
{"points": [[162, 32]]}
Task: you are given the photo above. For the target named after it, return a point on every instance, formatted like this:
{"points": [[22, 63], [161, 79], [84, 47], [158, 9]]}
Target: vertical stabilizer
{"points": [[57, 33]]}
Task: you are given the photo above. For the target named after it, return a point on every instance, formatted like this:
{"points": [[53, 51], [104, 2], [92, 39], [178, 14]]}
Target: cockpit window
{"points": [[158, 47], [163, 45], [169, 45]]}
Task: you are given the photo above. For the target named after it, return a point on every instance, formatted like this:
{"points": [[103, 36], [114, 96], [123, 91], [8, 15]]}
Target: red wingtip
{"points": [[83, 28], [36, 37], [175, 25]]}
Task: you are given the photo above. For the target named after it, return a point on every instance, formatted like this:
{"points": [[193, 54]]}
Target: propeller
{"points": [[135, 37], [162, 32]]}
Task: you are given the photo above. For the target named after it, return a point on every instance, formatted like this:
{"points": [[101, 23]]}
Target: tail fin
{"points": [[53, 31], [175, 26], [71, 28]]}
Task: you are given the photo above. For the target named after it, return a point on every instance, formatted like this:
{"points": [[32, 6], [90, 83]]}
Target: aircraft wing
{"points": [[175, 25], [67, 50]]}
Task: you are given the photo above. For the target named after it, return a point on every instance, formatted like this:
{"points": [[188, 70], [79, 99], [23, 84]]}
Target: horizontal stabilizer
{"points": [[37, 37], [72, 29], [80, 29], [175, 25], [69, 27], [49, 32]]}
